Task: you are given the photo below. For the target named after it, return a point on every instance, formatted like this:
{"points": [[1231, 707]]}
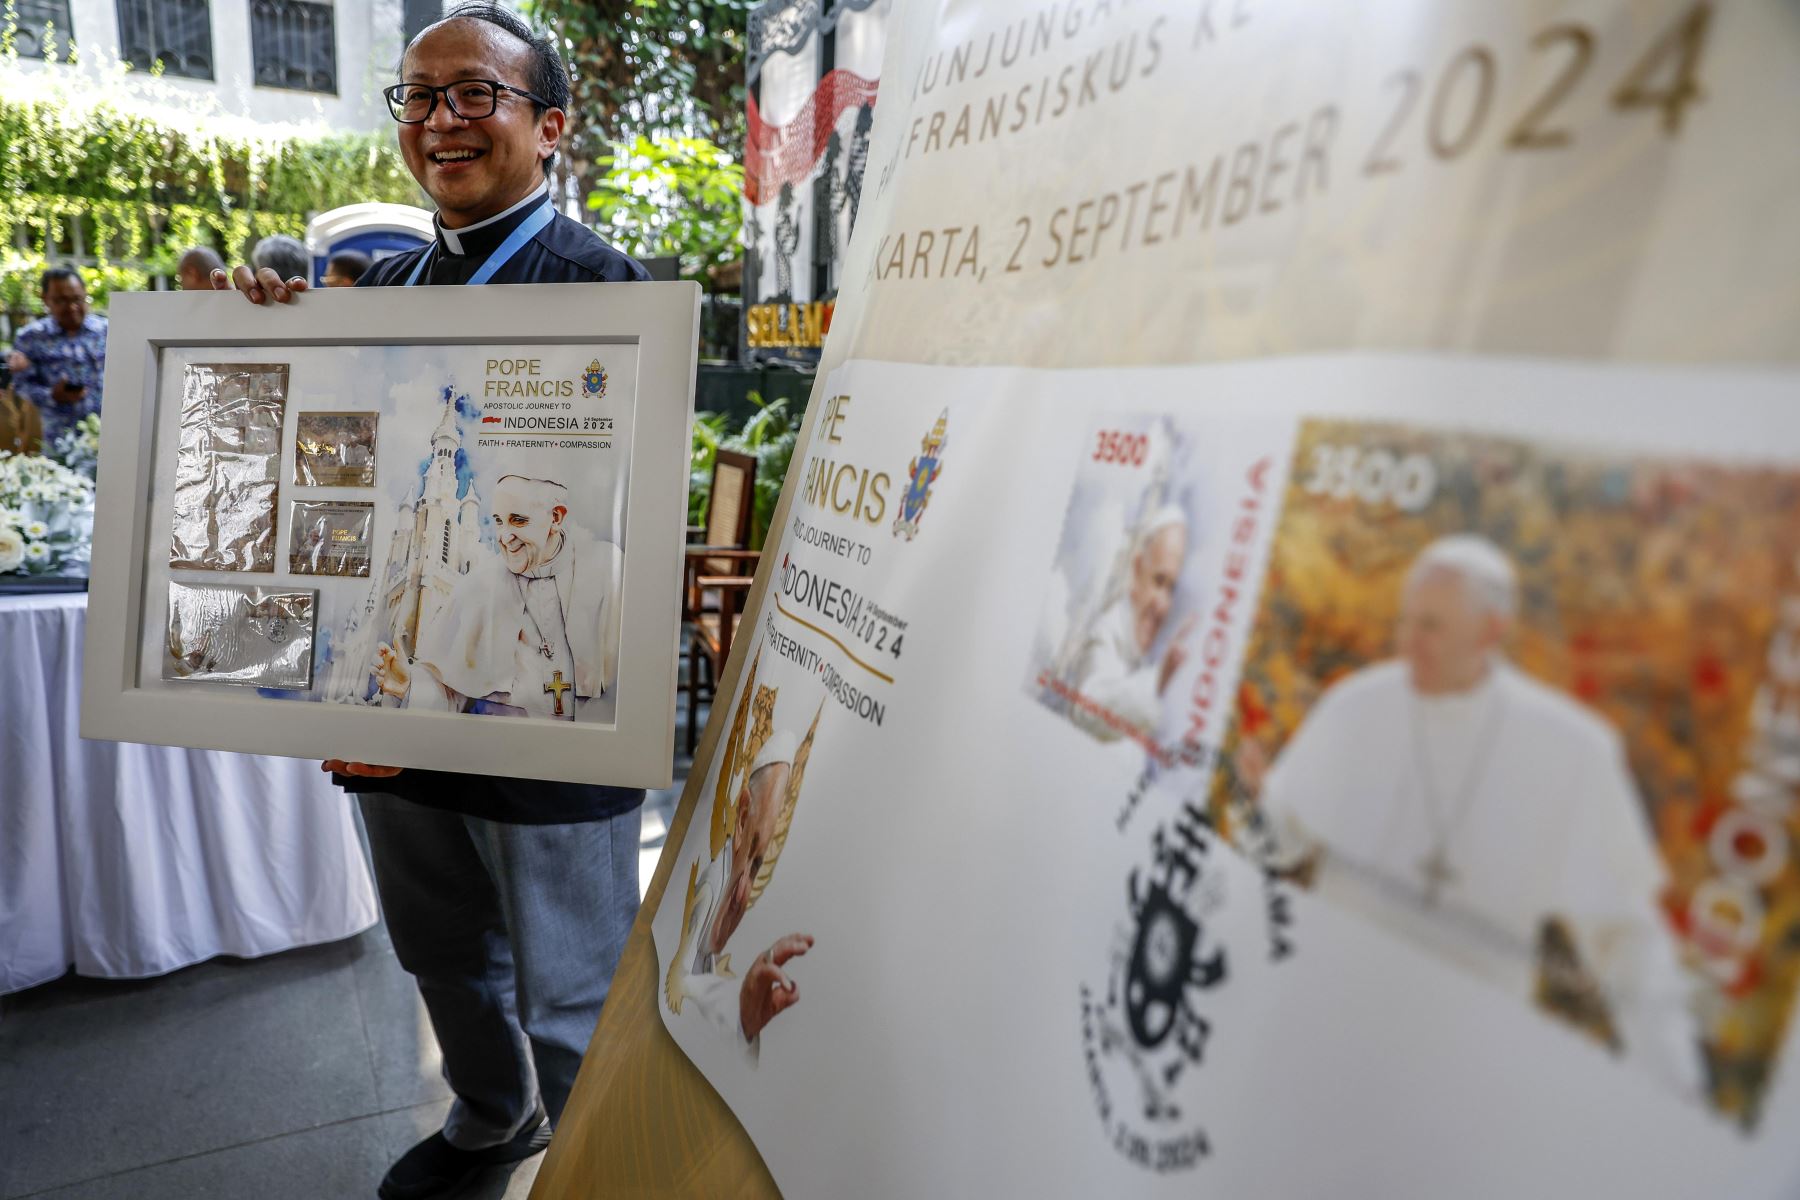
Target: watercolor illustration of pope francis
{"points": [[532, 631], [701, 975]]}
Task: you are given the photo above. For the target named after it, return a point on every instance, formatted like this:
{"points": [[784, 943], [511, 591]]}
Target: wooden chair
{"points": [[732, 501], [716, 576], [709, 641]]}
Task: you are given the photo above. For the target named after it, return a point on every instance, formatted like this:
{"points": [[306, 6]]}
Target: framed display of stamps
{"points": [[351, 528]]}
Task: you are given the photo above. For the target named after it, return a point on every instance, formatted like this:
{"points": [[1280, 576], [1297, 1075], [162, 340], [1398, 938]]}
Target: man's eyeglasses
{"points": [[470, 99]]}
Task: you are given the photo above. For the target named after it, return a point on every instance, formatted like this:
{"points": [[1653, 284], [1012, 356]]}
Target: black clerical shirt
{"points": [[564, 251]]}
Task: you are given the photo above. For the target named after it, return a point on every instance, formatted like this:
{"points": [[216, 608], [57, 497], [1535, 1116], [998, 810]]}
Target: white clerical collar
{"points": [[453, 237], [1466, 703]]}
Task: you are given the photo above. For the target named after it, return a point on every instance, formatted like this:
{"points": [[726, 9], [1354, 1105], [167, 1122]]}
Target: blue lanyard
{"points": [[503, 253]]}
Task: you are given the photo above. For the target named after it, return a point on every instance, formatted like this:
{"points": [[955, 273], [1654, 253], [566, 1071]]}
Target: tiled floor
{"points": [[300, 1076]]}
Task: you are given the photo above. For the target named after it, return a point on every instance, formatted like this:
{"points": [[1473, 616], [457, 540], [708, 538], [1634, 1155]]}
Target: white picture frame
{"points": [[122, 701]]}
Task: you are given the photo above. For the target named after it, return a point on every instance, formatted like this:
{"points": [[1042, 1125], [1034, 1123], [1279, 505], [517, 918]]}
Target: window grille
{"points": [[175, 33], [28, 37], [293, 44]]}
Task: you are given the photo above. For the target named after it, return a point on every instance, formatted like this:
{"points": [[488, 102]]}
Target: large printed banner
{"points": [[816, 65], [1280, 675]]}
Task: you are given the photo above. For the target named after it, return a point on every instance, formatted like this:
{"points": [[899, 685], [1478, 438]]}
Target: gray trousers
{"points": [[512, 932]]}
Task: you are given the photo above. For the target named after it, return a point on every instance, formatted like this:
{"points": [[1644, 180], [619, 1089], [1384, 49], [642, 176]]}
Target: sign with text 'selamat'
{"points": [[1278, 674]]}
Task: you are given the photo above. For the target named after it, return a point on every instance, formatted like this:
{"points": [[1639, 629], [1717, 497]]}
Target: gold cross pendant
{"points": [[557, 687]]}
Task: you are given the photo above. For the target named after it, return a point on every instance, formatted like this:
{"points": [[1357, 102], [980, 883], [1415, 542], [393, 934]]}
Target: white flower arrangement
{"points": [[46, 517], [12, 549], [78, 448]]}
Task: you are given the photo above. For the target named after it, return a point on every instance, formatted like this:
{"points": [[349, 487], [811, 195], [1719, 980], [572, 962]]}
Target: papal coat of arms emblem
{"points": [[926, 466], [593, 380]]}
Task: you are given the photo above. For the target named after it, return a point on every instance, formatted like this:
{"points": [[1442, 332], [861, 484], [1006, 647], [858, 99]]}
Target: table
{"points": [[126, 861]]}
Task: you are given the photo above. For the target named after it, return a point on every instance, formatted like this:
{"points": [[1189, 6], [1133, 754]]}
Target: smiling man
{"points": [[480, 111], [502, 896]]}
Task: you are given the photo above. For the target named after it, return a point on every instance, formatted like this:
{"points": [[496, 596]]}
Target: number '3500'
{"points": [[1372, 476], [1129, 449]]}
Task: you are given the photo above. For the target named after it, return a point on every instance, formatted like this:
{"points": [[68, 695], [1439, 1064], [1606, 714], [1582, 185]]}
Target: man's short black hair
{"points": [[351, 264], [285, 255], [52, 274], [546, 76]]}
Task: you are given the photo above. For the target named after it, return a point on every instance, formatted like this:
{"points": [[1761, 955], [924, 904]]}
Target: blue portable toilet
{"points": [[378, 230]]}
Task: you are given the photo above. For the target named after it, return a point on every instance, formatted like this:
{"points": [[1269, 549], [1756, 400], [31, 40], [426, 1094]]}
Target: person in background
{"points": [[196, 268], [58, 362], [284, 255], [345, 268]]}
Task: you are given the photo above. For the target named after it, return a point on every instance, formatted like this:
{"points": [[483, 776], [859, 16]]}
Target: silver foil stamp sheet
{"points": [[257, 637], [228, 466]]}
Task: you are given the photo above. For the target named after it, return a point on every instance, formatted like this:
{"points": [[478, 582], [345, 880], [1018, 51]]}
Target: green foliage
{"points": [[87, 137], [102, 153], [672, 195], [647, 67], [140, 192], [770, 434], [21, 273], [709, 431], [656, 120]]}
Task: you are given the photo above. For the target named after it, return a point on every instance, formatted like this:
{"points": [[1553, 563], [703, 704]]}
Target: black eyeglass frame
{"points": [[392, 95]]}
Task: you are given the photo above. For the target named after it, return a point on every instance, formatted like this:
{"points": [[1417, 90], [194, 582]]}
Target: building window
{"points": [[34, 15], [294, 45], [175, 33]]}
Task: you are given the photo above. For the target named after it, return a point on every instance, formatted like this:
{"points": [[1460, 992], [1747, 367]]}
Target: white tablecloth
{"points": [[124, 860]]}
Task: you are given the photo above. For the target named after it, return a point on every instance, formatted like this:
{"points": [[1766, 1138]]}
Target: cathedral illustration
{"points": [[437, 538]]}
